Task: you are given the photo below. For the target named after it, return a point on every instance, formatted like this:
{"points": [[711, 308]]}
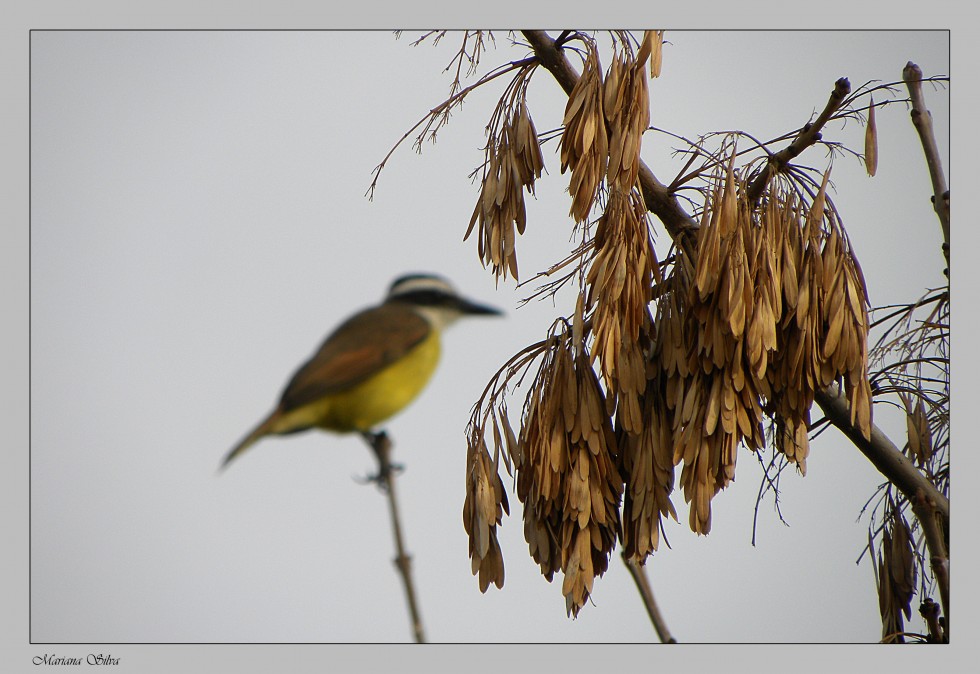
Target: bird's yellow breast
{"points": [[375, 399]]}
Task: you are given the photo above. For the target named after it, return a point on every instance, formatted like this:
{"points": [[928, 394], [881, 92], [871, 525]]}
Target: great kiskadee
{"points": [[372, 366]]}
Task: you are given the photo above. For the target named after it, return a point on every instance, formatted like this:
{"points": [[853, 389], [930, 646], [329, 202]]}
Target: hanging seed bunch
{"points": [[486, 500], [823, 330], [584, 143], [626, 107], [513, 162], [895, 576], [622, 274], [620, 282], [910, 369], [483, 509], [567, 476], [653, 40], [714, 402], [775, 308], [604, 123], [648, 455], [920, 443], [648, 466]]}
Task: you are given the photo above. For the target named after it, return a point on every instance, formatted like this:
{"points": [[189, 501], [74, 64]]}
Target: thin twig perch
{"points": [[381, 444]]}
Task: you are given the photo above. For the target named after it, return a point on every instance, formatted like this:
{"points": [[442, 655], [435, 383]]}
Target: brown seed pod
{"points": [[483, 508], [871, 140], [514, 162], [626, 105], [620, 282], [567, 476], [584, 142]]}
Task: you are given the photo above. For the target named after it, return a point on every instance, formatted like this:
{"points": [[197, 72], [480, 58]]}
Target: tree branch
{"points": [[808, 135], [926, 511], [881, 451], [646, 592], [381, 445], [929, 610], [922, 121]]}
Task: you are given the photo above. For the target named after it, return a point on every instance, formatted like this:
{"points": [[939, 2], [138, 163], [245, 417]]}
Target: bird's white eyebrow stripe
{"points": [[412, 285]]}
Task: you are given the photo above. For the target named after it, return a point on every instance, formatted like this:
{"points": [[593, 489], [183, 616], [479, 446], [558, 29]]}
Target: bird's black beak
{"points": [[468, 307]]}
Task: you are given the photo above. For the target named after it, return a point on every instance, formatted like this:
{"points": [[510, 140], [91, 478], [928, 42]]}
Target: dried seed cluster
{"points": [[776, 309], [514, 161], [648, 469], [919, 433], [626, 106], [895, 574], [622, 274], [604, 124], [654, 41], [483, 508], [584, 143], [773, 308], [567, 475], [824, 324], [620, 282]]}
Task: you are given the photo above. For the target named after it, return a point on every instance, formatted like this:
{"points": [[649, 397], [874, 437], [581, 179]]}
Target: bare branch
{"points": [[926, 511], [922, 120], [881, 451], [768, 483], [808, 135], [646, 592], [929, 610], [380, 443]]}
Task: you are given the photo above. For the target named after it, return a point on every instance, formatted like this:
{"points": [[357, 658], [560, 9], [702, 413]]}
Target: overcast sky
{"points": [[199, 224]]}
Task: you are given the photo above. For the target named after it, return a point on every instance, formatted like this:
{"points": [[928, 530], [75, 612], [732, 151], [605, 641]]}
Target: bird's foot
{"points": [[381, 446], [382, 477]]}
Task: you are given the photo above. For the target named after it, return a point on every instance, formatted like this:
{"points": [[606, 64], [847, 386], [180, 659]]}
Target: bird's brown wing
{"points": [[357, 349]]}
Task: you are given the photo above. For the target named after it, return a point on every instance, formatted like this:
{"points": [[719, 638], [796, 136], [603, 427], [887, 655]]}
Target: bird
{"points": [[371, 366]]}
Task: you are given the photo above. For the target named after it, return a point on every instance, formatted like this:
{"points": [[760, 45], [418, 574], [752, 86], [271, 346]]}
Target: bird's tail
{"points": [[257, 433]]}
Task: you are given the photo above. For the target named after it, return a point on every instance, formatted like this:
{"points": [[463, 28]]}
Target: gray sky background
{"points": [[198, 225]]}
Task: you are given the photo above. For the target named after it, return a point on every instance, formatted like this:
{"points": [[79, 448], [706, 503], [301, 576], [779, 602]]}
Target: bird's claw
{"points": [[382, 477]]}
